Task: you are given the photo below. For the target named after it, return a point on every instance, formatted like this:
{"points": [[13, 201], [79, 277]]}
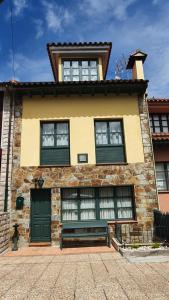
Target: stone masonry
{"points": [[5, 216], [4, 231], [140, 175]]}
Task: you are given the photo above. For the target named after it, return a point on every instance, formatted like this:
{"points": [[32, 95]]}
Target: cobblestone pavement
{"points": [[101, 276]]}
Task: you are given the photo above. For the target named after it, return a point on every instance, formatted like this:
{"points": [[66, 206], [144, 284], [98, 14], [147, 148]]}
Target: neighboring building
{"points": [[88, 138], [159, 123]]}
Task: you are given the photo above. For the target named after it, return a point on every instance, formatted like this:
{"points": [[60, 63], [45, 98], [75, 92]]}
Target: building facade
{"points": [[87, 140], [159, 122]]}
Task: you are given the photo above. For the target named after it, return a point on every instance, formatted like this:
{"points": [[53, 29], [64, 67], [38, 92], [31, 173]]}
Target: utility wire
{"points": [[12, 40]]}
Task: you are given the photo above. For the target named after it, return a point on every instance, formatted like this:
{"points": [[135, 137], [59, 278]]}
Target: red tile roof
{"points": [[161, 136], [158, 100]]}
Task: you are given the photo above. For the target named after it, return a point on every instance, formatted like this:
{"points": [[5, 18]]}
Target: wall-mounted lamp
{"points": [[19, 202], [39, 182]]}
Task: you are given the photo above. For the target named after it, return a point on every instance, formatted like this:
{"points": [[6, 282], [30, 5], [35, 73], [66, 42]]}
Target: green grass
{"points": [[155, 245]]}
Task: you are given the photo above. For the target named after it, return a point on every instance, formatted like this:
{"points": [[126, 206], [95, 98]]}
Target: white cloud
{"points": [[56, 16], [39, 28], [19, 6], [98, 8], [30, 69]]}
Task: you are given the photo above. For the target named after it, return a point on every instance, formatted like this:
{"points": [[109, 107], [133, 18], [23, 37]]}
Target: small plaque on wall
{"points": [[82, 158]]}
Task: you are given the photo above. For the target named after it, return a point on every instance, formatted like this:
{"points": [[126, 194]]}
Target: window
{"points": [[106, 203], [159, 122], [162, 176], [80, 70], [55, 143], [109, 142]]}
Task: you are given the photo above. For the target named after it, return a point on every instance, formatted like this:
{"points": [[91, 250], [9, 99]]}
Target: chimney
{"points": [[135, 62]]}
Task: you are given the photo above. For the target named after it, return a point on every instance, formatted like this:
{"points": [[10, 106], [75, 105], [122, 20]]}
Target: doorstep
{"points": [[42, 244]]}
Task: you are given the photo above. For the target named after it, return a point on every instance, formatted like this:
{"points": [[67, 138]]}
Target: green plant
{"points": [[135, 246], [155, 245]]}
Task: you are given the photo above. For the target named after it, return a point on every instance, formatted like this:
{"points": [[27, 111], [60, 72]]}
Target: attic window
{"points": [[80, 70]]}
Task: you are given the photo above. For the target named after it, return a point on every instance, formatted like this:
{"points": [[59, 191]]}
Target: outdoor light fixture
{"points": [[40, 182], [19, 202]]}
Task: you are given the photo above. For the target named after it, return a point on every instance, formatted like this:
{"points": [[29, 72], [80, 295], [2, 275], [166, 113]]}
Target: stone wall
{"points": [[139, 175], [4, 145], [4, 231]]}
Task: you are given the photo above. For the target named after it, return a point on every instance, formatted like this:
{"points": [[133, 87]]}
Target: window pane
{"points": [[159, 167], [101, 139], [66, 72], [66, 78], [48, 128], [93, 63], [62, 128], [165, 129], [115, 138], [66, 64], [75, 71], [93, 78], [156, 123], [69, 193], [62, 140], [123, 191], [106, 203], [85, 204], [115, 126], [157, 129], [75, 64], [101, 127], [85, 72], [87, 193], [106, 192], [125, 213], [70, 216], [107, 214], [47, 140], [156, 117], [75, 78], [87, 215], [69, 204], [124, 202], [164, 123], [85, 78], [84, 64], [164, 117], [93, 72]]}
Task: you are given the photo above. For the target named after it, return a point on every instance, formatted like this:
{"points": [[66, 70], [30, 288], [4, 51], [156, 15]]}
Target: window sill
{"points": [[163, 192], [113, 222], [53, 166], [112, 164]]}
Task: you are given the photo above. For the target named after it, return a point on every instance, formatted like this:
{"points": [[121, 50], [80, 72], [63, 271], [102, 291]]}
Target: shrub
{"points": [[155, 246], [135, 246]]}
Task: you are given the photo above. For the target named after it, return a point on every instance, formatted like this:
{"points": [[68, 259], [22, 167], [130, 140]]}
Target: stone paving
{"points": [[101, 276]]}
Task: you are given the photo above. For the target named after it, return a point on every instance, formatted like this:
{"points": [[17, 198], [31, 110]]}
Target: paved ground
{"points": [[101, 276]]}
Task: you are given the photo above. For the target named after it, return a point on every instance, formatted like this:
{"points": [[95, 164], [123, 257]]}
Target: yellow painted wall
{"points": [[81, 112]]}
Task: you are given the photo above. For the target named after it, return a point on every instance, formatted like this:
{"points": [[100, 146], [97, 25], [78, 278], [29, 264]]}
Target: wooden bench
{"points": [[85, 229]]}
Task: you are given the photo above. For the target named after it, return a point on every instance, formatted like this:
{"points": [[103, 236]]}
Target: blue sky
{"points": [[128, 24]]}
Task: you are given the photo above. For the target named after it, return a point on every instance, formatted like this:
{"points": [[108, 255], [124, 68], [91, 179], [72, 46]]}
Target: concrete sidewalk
{"points": [[102, 276]]}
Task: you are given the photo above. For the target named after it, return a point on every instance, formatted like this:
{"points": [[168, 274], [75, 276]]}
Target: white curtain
{"points": [[87, 203], [101, 133], [69, 204], [125, 213], [106, 203], [69, 216], [87, 215], [107, 214]]}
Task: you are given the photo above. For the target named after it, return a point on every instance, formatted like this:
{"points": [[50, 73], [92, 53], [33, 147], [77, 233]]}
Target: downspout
{"points": [[8, 153]]}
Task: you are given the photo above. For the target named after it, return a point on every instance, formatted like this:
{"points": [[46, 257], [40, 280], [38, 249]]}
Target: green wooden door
{"points": [[40, 215]]}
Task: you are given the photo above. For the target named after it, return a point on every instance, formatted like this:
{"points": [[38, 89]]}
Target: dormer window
{"points": [[80, 70]]}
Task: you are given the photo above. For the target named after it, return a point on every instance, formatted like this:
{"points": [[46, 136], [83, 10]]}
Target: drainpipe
{"points": [[8, 152]]}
